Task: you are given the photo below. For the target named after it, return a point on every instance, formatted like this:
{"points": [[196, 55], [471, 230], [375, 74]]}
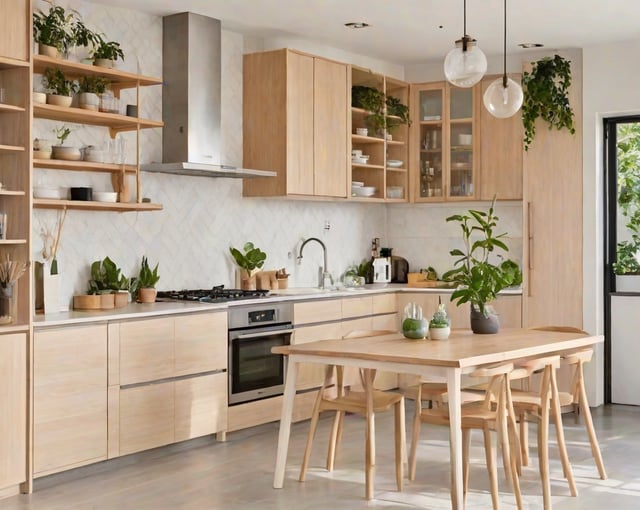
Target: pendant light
{"points": [[503, 98], [465, 65]]}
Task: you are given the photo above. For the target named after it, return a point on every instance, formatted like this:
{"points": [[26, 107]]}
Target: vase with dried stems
{"points": [[10, 272], [48, 283], [51, 243]]}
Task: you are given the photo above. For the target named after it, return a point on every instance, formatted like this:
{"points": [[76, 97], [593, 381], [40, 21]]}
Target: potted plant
{"points": [[105, 53], [439, 325], [145, 284], [249, 262], [477, 279], [60, 89], [53, 31], [65, 152], [397, 113], [83, 36], [89, 87], [359, 274], [546, 96]]}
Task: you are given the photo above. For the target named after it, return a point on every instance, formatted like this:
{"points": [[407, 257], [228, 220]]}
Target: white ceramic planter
{"points": [[103, 62], [66, 153], [628, 283], [89, 101], [39, 98], [439, 333]]}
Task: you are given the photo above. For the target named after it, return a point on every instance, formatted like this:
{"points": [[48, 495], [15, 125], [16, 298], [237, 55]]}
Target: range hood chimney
{"points": [[191, 100]]}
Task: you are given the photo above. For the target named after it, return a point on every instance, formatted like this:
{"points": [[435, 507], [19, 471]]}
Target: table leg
{"points": [[455, 437], [285, 422]]}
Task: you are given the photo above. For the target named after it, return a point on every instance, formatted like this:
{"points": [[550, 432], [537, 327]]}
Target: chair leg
{"points": [[415, 435], [466, 441], [524, 440], [562, 446], [312, 432], [334, 439], [490, 453], [588, 423], [400, 443], [543, 443]]}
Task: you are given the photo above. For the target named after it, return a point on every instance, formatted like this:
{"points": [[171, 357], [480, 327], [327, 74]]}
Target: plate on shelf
{"points": [[394, 163], [363, 191], [358, 184]]}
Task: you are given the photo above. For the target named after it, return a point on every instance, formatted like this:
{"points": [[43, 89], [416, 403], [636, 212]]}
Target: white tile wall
{"points": [[202, 217]]}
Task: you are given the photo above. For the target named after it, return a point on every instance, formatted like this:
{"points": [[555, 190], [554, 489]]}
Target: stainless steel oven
{"points": [[254, 372]]}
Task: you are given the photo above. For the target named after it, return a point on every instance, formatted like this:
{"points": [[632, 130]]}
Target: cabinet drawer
{"points": [[384, 303], [311, 375], [200, 406], [146, 417], [317, 311], [146, 350], [200, 343], [70, 397], [357, 307]]}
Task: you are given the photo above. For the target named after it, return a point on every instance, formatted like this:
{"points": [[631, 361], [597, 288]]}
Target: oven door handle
{"points": [[265, 333]]}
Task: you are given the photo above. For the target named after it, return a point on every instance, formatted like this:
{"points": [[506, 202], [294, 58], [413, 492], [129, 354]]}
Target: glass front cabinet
{"points": [[444, 146]]}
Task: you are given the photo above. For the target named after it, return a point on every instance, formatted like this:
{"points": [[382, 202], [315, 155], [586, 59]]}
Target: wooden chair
{"points": [[365, 403], [541, 404], [494, 412], [578, 395]]}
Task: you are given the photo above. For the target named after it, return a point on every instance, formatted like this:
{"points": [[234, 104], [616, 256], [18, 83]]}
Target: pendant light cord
{"points": [[504, 48], [465, 39]]}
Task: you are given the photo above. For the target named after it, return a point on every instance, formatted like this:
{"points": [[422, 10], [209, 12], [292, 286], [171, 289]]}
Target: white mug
{"points": [[356, 153]]}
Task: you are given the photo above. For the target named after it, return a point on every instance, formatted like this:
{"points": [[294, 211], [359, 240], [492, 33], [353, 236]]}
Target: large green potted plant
{"points": [[107, 278], [60, 88], [249, 261], [105, 53], [478, 280], [546, 96], [53, 30]]}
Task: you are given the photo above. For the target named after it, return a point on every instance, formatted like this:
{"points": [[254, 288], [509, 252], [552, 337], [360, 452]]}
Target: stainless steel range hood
{"points": [[191, 100]]}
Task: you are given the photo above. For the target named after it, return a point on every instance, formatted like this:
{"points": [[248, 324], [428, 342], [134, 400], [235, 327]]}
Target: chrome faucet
{"points": [[324, 273]]}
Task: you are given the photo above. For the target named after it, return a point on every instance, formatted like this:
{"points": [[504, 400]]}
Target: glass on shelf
{"points": [[430, 105]]}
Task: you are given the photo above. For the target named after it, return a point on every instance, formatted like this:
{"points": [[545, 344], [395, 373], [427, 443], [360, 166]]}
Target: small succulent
{"points": [[440, 318]]}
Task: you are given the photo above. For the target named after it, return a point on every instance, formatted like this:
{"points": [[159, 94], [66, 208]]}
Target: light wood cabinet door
{"points": [[357, 307], [146, 417], [330, 128], [384, 303], [311, 375], [13, 409], [321, 310], [146, 350], [200, 343], [200, 406], [300, 124], [501, 150], [70, 397]]}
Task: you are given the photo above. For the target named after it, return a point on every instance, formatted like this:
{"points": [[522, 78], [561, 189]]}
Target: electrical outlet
{"points": [[327, 225]]}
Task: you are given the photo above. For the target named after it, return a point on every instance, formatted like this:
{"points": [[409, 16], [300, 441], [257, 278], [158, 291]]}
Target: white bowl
{"points": [[394, 163], [395, 191], [105, 196], [363, 191], [357, 183], [362, 160], [362, 131], [52, 193]]}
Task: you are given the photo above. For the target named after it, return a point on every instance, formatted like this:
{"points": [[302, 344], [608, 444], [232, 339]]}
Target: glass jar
{"points": [[8, 303]]}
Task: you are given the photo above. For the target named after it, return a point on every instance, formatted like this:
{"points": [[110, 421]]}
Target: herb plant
{"points": [[55, 80], [93, 84], [252, 258], [62, 132]]}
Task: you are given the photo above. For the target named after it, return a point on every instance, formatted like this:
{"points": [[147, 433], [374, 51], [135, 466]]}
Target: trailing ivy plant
{"points": [[546, 96]]}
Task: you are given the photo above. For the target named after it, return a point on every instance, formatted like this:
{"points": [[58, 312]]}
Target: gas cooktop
{"points": [[217, 294]]}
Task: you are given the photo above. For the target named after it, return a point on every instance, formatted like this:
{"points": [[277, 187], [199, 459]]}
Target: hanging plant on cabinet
{"points": [[546, 96]]}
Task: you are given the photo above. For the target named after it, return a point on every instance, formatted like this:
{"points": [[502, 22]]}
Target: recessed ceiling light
{"points": [[530, 45], [357, 24]]}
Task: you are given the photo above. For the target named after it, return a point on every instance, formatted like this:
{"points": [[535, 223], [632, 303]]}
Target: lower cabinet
{"points": [[70, 397], [13, 412]]}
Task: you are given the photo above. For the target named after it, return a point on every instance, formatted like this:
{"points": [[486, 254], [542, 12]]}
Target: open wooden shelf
{"points": [[396, 169], [11, 148], [367, 166], [119, 79], [11, 193], [81, 166], [366, 139], [113, 121], [11, 63], [9, 108], [11, 242], [43, 203]]}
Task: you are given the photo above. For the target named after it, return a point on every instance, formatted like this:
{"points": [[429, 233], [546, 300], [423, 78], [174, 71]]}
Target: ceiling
{"points": [[411, 32]]}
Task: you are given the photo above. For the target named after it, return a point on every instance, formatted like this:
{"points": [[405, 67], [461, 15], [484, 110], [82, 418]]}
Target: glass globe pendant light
{"points": [[503, 98], [465, 65]]}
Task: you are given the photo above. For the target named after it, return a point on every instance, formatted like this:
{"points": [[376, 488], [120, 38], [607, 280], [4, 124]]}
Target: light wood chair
{"points": [[494, 412], [541, 405], [577, 398], [365, 403]]}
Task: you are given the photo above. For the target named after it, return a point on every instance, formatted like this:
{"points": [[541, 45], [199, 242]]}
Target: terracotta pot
{"points": [[86, 302], [48, 51], [121, 299], [56, 100], [147, 295], [247, 280]]}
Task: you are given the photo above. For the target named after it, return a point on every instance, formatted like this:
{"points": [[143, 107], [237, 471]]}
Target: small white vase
{"points": [[439, 333]]}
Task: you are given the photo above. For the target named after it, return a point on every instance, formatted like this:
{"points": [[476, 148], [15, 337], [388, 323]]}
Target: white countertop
{"points": [[141, 310]]}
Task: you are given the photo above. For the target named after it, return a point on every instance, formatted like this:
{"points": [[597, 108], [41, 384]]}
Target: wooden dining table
{"points": [[447, 360]]}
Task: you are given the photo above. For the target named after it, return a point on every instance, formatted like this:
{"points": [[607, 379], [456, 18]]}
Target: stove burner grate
{"points": [[217, 294]]}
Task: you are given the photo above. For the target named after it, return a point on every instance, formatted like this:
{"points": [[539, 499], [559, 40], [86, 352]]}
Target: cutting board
{"points": [[417, 280]]}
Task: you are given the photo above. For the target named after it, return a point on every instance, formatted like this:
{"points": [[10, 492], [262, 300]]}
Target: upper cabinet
{"points": [[295, 118], [500, 152], [379, 139], [115, 122], [445, 142]]}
